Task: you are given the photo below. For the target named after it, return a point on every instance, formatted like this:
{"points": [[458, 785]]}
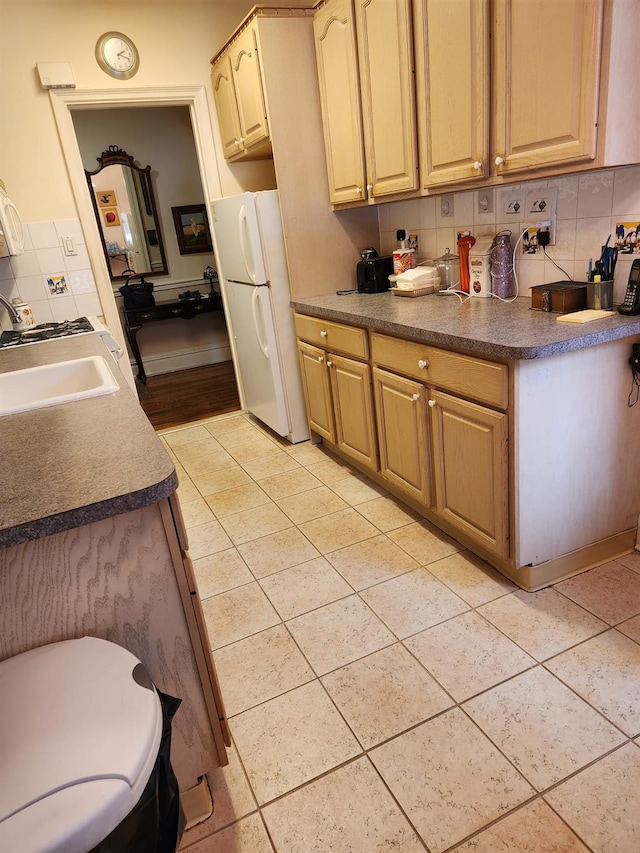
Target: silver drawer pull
{"points": [[423, 363]]}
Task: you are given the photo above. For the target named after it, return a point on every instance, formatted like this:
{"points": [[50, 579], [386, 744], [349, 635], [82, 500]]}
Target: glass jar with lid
{"points": [[448, 266]]}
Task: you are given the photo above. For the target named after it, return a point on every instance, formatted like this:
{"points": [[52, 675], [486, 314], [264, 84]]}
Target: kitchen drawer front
{"points": [[334, 336], [475, 378]]}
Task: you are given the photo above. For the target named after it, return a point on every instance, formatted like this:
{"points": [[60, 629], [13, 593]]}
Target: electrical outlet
{"points": [[446, 205], [530, 243], [485, 201]]}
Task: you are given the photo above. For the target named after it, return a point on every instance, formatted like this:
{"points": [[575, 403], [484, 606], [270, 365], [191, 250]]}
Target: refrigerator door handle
{"points": [[243, 229], [255, 297]]}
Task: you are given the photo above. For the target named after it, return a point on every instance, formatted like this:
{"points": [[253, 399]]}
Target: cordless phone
{"points": [[631, 304]]}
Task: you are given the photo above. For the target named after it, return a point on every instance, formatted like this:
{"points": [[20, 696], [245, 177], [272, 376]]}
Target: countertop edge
{"points": [[81, 516]]}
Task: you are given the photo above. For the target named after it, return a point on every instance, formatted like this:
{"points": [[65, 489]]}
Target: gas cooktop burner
{"points": [[45, 332]]}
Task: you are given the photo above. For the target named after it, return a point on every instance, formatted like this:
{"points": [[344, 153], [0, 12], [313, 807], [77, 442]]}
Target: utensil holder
{"points": [[600, 294]]}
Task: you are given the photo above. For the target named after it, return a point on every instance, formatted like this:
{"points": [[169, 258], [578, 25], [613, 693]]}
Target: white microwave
{"points": [[11, 227]]}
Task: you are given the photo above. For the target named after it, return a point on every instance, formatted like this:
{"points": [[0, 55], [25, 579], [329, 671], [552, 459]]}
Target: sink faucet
{"points": [[12, 311]]}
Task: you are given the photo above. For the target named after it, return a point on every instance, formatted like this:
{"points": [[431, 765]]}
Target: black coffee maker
{"points": [[373, 271]]}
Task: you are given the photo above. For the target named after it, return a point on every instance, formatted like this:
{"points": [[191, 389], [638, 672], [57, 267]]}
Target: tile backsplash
{"points": [[58, 286], [589, 206]]}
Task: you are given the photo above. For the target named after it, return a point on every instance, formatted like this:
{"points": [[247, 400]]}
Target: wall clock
{"points": [[117, 55]]}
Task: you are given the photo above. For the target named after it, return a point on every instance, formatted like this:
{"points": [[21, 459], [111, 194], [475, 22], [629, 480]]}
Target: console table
{"points": [[184, 309]]}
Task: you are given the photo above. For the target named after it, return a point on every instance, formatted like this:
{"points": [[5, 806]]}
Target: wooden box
{"points": [[561, 297]]}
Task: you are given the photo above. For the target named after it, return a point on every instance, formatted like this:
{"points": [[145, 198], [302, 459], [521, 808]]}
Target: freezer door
{"points": [[257, 354], [239, 250]]}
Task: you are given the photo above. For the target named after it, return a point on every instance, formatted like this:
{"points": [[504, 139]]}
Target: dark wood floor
{"points": [[173, 399]]}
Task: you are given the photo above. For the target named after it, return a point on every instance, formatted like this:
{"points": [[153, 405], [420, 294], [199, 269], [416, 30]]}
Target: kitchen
{"points": [[48, 194]]}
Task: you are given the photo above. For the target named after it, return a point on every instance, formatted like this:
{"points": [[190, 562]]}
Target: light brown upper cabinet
{"points": [[239, 98], [366, 78], [452, 89]]}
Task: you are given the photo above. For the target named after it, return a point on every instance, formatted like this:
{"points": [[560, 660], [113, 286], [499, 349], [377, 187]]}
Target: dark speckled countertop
{"points": [[78, 462], [484, 327]]}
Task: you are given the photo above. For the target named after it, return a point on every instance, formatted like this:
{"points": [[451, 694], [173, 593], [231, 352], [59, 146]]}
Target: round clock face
{"points": [[117, 55]]}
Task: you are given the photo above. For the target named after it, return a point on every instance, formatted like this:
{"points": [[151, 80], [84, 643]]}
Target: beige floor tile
{"points": [[237, 499], [605, 671], [207, 463], [347, 811], [231, 796], [449, 779], [386, 513], [246, 836], [534, 828], [207, 539], [289, 483], [372, 561], [356, 490], [259, 668], [306, 453], [330, 470], [542, 726], [543, 623], [424, 542], [601, 802], [483, 656], [197, 449], [220, 572], [413, 602], [384, 694], [187, 435], [611, 592], [275, 462], [311, 504], [186, 490], [339, 633], [277, 551], [255, 449], [471, 578], [631, 628], [227, 424], [238, 613], [631, 561], [290, 740], [253, 523], [305, 587], [338, 530], [195, 512], [218, 481]]}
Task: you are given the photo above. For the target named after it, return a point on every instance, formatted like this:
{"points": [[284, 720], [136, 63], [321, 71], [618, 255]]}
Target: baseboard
{"points": [[169, 363]]}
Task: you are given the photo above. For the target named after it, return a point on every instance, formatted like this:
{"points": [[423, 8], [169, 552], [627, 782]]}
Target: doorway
{"points": [[67, 106]]}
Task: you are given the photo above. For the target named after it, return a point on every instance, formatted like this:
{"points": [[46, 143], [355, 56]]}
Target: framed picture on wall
{"points": [[106, 198], [110, 216], [192, 229]]}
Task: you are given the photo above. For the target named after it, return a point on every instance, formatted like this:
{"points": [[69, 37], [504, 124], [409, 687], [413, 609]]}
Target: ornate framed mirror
{"points": [[127, 216]]}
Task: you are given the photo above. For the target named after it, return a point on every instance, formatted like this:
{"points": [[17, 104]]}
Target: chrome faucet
{"points": [[12, 311]]}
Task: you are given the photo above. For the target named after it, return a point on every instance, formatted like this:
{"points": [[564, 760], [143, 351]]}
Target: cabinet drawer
{"points": [[334, 336], [470, 377]]}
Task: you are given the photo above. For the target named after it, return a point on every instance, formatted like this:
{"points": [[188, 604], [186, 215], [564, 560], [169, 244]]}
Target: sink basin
{"points": [[50, 384]]}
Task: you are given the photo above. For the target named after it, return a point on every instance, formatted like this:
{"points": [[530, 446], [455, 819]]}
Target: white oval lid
{"points": [[74, 719]]}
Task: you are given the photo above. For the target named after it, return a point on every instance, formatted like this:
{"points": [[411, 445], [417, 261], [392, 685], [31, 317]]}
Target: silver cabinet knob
{"points": [[323, 333], [415, 396], [329, 363], [499, 161], [369, 187], [359, 190], [423, 363], [477, 165], [320, 359], [432, 403]]}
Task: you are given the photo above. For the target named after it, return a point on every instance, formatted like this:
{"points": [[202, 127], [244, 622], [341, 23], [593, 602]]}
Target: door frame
{"points": [[64, 102]]}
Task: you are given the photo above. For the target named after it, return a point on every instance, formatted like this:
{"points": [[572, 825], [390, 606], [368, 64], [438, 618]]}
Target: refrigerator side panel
{"points": [[273, 249]]}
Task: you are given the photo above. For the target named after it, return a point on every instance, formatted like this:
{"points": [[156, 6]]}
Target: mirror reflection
{"points": [[126, 213]]}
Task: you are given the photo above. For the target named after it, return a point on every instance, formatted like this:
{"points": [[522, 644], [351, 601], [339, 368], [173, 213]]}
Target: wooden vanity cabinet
{"points": [[366, 78], [337, 387]]}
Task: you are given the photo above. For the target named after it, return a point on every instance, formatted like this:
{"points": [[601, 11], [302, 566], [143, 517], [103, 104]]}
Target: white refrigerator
{"points": [[252, 266]]}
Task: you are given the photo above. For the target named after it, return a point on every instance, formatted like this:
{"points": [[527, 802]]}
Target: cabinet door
{"points": [[452, 81], [226, 107], [402, 433], [334, 34], [546, 72], [317, 391], [353, 409], [385, 56], [470, 469], [248, 88]]}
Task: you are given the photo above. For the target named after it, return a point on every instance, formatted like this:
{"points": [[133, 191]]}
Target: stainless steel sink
{"points": [[51, 384]]}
